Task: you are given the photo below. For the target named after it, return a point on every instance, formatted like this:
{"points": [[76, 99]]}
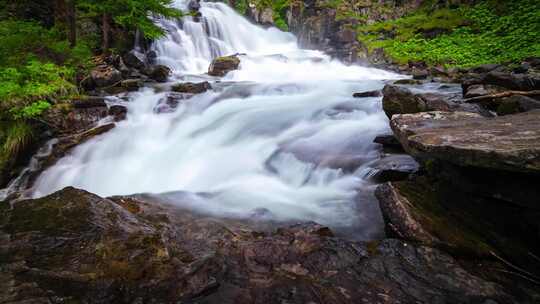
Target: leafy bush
{"points": [[484, 33], [25, 89]]}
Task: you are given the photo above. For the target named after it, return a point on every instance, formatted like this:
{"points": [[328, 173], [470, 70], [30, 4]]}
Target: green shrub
{"points": [[484, 33]]}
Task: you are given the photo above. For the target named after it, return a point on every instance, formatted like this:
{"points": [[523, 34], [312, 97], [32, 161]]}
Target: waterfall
{"points": [[281, 138]]}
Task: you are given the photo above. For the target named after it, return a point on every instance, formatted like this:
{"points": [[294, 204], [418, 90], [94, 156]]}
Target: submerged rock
{"points": [[223, 65], [74, 246]]}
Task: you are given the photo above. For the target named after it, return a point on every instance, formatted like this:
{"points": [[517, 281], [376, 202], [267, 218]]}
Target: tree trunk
{"points": [[60, 13], [106, 29], [72, 23]]}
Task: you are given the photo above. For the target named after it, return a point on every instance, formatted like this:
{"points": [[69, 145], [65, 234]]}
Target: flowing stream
{"points": [[281, 138]]}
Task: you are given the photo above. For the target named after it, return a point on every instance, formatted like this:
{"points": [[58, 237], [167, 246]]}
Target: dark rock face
{"points": [[322, 26], [128, 250], [223, 65], [192, 88], [509, 143]]}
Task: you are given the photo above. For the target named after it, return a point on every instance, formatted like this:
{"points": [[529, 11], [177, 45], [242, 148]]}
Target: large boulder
{"points": [[73, 246], [509, 143], [223, 65], [435, 213]]}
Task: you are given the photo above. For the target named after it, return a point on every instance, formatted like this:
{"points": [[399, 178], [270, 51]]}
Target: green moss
{"points": [[441, 221], [467, 36], [50, 215]]}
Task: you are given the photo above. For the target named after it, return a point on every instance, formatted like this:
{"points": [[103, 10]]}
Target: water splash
{"points": [[282, 134]]}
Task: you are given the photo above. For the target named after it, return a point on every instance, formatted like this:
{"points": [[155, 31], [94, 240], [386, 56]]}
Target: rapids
{"points": [[281, 138]]}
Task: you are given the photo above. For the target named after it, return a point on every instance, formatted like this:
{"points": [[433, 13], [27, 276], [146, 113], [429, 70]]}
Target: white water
{"points": [[269, 139]]}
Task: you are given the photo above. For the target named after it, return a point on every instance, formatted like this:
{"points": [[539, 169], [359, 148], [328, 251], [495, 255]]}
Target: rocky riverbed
{"points": [[456, 181]]}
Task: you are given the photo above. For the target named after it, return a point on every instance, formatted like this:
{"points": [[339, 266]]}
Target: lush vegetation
{"points": [[279, 10], [46, 47], [489, 32]]}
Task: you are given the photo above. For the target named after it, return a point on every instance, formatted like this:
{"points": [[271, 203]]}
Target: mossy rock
{"points": [[458, 222]]}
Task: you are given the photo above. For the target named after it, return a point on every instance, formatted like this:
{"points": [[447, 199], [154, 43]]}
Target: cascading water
{"points": [[281, 138]]}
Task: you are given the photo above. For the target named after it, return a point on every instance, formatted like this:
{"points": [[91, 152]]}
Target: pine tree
{"points": [[129, 14]]}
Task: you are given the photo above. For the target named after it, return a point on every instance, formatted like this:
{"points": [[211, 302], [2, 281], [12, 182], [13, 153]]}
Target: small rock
{"points": [[222, 65], [395, 167], [481, 90], [159, 73], [419, 74], [134, 60], [132, 85], [408, 82], [119, 112], [389, 141], [486, 68], [375, 93], [192, 88]]}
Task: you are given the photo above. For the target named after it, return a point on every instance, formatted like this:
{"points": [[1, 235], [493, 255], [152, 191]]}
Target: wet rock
{"points": [[131, 85], [78, 116], [394, 167], [135, 60], [399, 215], [222, 65], [171, 102], [388, 141], [408, 82], [119, 112], [105, 75], [194, 5], [481, 90], [402, 100], [266, 17], [420, 74], [130, 250], [399, 100], [192, 88], [503, 143], [376, 93], [516, 104], [486, 68], [436, 213], [159, 73], [519, 82], [66, 143]]}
